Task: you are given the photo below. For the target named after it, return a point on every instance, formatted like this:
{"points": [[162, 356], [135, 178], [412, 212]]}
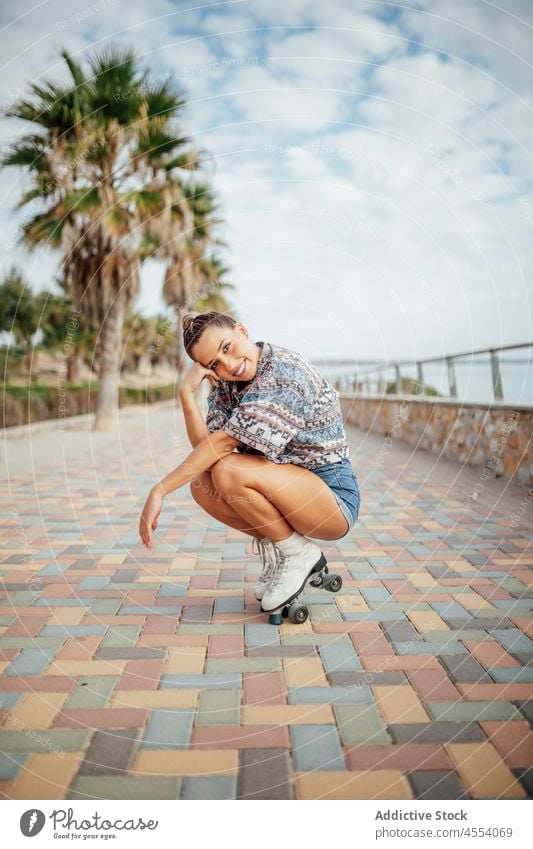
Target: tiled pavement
{"points": [[126, 675]]}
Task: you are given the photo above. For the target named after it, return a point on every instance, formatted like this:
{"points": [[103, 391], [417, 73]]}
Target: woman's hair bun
{"points": [[188, 320], [194, 324]]}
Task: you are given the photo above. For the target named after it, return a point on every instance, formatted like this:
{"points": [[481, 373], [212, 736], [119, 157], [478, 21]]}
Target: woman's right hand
{"points": [[193, 378], [150, 516]]}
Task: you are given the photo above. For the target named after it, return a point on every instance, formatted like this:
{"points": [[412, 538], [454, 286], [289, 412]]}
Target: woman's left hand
{"points": [[149, 517]]}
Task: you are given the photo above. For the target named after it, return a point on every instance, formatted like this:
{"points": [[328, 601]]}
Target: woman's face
{"points": [[228, 352]]}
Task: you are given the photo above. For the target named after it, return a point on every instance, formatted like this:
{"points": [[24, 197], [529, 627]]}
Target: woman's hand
{"points": [[193, 378], [150, 516]]}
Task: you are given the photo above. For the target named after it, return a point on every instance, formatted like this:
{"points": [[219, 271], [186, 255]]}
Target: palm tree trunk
{"points": [[29, 357], [73, 367], [109, 367], [181, 356]]}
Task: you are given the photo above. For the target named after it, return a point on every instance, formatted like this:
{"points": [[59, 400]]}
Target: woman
{"points": [[271, 459]]}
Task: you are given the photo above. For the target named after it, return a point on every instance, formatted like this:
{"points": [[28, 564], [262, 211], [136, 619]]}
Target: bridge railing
{"points": [[370, 380]]}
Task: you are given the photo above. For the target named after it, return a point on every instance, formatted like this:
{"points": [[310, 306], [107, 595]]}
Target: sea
{"points": [[473, 377]]}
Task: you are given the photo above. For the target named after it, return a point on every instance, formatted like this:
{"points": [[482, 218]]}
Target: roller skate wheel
{"points": [[285, 612], [298, 613], [316, 582], [333, 583]]}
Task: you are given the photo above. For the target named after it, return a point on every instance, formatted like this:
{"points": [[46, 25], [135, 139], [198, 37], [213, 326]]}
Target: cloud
{"points": [[496, 38], [373, 167], [236, 33]]}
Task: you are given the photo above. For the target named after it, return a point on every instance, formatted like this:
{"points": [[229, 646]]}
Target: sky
{"points": [[372, 160]]}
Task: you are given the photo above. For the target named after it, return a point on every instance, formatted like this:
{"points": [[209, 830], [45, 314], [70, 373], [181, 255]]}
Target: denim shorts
{"points": [[342, 480]]}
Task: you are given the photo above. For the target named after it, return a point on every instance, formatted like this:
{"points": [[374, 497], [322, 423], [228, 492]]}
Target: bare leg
{"points": [[204, 493], [278, 498]]}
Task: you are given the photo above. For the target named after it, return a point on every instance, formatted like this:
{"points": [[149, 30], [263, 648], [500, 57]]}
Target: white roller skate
{"points": [[299, 562], [266, 550]]}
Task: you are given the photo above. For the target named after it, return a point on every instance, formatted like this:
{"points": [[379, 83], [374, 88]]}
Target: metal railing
{"points": [[371, 380]]}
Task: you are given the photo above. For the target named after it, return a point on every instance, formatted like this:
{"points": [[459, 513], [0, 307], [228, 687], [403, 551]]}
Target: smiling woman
{"points": [[219, 344], [271, 459]]}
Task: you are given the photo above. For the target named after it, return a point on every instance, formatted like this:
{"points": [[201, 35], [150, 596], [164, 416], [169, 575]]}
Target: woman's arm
{"points": [[205, 454], [194, 421], [208, 452]]}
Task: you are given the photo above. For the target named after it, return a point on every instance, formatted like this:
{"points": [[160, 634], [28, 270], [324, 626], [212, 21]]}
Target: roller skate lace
{"points": [[264, 548], [280, 567]]}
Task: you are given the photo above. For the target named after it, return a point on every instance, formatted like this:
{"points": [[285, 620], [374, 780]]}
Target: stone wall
{"points": [[497, 439]]}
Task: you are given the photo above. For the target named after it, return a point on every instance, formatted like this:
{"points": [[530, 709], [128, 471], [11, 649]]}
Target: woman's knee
{"points": [[225, 474], [201, 488]]}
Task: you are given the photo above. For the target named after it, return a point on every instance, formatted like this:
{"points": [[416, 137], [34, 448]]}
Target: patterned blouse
{"points": [[287, 412]]}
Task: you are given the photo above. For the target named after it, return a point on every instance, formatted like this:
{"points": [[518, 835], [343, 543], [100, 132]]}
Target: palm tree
{"points": [[163, 344], [19, 313], [103, 162], [186, 253], [64, 329], [138, 335], [211, 294]]}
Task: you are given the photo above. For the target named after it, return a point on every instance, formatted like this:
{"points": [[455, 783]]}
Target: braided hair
{"points": [[194, 325]]}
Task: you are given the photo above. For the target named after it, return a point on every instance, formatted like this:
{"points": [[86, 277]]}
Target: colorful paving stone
{"points": [[126, 674]]}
